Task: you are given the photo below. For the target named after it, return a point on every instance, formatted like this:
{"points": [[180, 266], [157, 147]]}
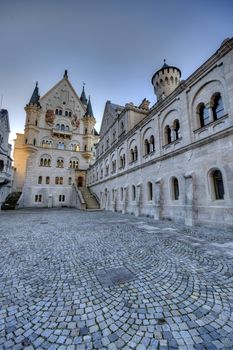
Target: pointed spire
{"points": [[83, 96], [35, 96], [65, 74], [164, 64], [89, 112]]}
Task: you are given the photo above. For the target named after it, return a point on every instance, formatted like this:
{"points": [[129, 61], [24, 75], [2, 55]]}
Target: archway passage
{"points": [[80, 181]]}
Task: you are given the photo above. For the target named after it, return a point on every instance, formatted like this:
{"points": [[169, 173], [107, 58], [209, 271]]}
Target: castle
{"points": [[173, 160], [52, 155]]}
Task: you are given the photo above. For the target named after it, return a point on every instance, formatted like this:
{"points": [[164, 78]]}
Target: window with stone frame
{"points": [[175, 189], [218, 186], [203, 115], [218, 108], [149, 191]]}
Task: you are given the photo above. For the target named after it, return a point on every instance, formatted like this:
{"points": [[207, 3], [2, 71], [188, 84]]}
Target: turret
{"points": [[88, 123], [165, 81], [32, 109], [83, 97]]}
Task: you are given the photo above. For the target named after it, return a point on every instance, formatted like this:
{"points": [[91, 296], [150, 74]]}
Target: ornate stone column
{"points": [[189, 199], [125, 200], [158, 195], [138, 199], [210, 111]]}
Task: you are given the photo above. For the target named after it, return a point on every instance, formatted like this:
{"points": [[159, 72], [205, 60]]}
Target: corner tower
{"points": [[165, 81]]}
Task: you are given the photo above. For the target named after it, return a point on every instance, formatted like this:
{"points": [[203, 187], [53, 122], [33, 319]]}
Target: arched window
{"points": [[168, 138], [70, 114], [60, 112], [61, 145], [47, 180], [57, 180], [147, 147], [218, 184], [60, 163], [85, 148], [218, 109], [67, 128], [66, 113], [26, 141], [176, 127], [36, 123], [56, 111], [152, 143], [74, 164], [45, 161], [62, 127], [61, 181], [40, 180], [131, 155], [34, 142], [85, 132], [203, 115], [133, 193], [1, 165], [57, 126], [135, 153], [122, 127], [122, 193], [150, 191], [175, 189]]}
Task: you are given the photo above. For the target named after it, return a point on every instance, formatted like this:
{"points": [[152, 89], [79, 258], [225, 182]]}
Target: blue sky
{"points": [[114, 46]]}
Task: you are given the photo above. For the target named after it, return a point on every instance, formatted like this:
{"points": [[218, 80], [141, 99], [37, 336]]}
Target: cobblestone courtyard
{"points": [[98, 280]]}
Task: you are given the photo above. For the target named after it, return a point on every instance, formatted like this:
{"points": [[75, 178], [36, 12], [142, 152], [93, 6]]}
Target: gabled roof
{"points": [[111, 112], [65, 78]]}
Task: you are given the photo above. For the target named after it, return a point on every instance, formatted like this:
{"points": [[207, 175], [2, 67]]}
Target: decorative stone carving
{"points": [[50, 117], [75, 121], [144, 104]]}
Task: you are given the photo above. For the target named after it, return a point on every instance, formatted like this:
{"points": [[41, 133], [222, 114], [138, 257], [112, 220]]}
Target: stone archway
{"points": [[80, 181]]}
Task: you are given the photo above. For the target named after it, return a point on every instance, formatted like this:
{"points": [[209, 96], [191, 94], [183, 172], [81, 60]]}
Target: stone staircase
{"points": [[11, 201], [89, 198]]}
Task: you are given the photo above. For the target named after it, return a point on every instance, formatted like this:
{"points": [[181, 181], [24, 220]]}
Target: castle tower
{"points": [[165, 81], [32, 109], [88, 138], [83, 97]]}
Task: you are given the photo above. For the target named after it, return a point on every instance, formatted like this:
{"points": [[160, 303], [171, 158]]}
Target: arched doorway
{"points": [[80, 181]]}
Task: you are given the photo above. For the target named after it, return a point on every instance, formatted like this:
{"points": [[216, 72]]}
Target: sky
{"points": [[114, 46]]}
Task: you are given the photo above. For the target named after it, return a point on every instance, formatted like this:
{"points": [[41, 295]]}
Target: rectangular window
{"points": [[70, 181], [61, 198], [38, 198]]}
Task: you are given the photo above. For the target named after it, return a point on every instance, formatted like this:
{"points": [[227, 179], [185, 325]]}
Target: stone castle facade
{"points": [[5, 157], [52, 155], [175, 159]]}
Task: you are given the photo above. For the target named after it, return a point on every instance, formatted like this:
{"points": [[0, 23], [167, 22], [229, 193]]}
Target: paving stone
{"points": [[101, 280]]}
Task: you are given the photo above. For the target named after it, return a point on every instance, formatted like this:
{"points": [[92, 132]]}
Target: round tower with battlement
{"points": [[165, 81]]}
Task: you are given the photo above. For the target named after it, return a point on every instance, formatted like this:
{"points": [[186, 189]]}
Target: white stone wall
{"points": [[5, 157], [190, 157]]}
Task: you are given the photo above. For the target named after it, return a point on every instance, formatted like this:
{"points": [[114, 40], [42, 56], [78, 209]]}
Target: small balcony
{"points": [[62, 133]]}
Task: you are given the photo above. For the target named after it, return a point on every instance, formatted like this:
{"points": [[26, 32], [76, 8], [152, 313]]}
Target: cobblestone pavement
{"points": [[98, 280]]}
